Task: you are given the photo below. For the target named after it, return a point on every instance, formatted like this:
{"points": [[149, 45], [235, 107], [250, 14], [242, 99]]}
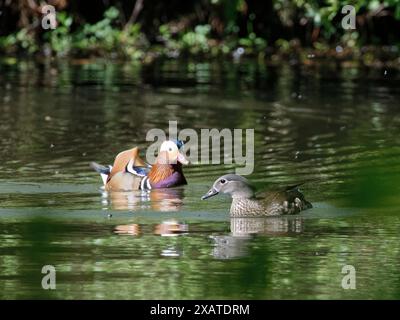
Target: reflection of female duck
{"points": [[235, 244], [130, 172], [271, 226]]}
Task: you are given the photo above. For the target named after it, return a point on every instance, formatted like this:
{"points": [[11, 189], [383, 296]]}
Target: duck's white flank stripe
{"points": [[142, 183], [145, 184]]}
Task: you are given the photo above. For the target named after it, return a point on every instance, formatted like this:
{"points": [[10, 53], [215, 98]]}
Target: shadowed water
{"points": [[336, 128]]}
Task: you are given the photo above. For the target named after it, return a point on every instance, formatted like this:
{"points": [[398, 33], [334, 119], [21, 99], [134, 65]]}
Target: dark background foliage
{"points": [[248, 23]]}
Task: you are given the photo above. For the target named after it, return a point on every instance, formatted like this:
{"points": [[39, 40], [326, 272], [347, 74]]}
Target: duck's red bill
{"points": [[181, 158]]}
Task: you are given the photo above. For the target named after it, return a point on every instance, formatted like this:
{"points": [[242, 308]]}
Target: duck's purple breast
{"points": [[176, 179]]}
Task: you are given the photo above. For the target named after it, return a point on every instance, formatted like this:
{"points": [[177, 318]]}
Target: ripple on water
{"points": [[325, 126]]}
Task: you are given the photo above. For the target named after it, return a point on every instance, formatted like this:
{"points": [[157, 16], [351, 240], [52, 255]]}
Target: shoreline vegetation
{"points": [[273, 32]]}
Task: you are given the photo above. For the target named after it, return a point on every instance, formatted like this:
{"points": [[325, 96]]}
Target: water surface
{"points": [[338, 128]]}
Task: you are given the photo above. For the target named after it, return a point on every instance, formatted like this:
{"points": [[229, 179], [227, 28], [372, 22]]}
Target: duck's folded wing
{"points": [[293, 187], [140, 171], [279, 192], [269, 195], [289, 196]]}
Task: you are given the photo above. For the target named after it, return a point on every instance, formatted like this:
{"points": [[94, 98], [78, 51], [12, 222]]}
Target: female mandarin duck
{"points": [[130, 172], [245, 203]]}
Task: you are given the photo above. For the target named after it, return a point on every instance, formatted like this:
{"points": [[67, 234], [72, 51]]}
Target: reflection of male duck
{"points": [[158, 200], [235, 244], [165, 228], [168, 228]]}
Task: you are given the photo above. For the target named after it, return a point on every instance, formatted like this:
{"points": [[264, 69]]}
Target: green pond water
{"points": [[338, 128]]}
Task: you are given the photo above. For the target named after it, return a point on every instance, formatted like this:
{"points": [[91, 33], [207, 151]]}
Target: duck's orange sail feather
{"points": [[122, 159]]}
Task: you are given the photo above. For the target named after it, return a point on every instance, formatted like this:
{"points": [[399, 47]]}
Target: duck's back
{"points": [[271, 203], [284, 201]]}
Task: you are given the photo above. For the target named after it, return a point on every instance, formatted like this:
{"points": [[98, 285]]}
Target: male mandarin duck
{"points": [[130, 172], [245, 203]]}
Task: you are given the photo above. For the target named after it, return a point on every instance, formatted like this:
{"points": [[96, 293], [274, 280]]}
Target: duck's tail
{"points": [[103, 170], [294, 189]]}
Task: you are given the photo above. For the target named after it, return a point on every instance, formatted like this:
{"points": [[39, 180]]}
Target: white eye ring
{"points": [[168, 146]]}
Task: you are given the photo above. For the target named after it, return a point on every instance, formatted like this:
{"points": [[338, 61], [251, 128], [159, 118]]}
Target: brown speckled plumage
{"points": [[247, 204]]}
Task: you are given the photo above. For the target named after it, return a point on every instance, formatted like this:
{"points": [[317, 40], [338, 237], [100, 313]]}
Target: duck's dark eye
{"points": [[222, 181], [170, 149]]}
